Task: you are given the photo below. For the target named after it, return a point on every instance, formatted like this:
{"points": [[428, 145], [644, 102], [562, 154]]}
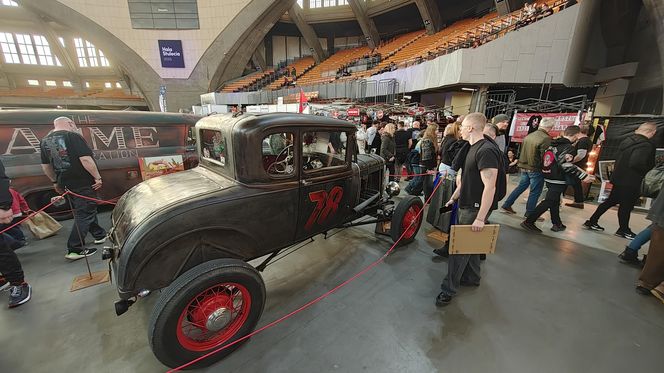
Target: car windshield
{"points": [[322, 149]]}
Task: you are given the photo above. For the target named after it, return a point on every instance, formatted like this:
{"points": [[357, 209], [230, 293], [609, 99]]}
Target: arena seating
{"points": [[301, 66]]}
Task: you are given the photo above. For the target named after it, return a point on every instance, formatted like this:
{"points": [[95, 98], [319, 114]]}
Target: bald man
{"points": [[477, 197], [636, 156], [67, 160]]}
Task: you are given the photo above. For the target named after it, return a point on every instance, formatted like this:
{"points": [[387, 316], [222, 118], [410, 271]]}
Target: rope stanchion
{"points": [[316, 300], [99, 201]]}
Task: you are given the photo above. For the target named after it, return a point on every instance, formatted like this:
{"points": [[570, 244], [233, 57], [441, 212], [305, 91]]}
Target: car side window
{"points": [[277, 154], [213, 146], [323, 149]]}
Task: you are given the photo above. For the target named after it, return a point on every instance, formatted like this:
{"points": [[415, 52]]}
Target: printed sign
{"points": [[525, 123], [353, 112], [162, 165], [170, 53]]}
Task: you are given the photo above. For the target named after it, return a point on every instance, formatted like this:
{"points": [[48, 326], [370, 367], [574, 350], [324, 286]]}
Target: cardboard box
{"points": [[464, 241]]}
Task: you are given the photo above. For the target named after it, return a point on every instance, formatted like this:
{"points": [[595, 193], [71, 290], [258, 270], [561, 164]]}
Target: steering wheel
{"points": [[281, 166]]}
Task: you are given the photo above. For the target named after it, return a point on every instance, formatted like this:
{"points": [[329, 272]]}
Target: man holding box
{"points": [[479, 188]]}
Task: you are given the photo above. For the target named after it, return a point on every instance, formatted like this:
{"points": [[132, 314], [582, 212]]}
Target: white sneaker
{"points": [[100, 241], [81, 255]]}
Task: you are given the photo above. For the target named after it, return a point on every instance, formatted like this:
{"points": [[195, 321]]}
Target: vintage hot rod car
{"points": [[264, 183]]}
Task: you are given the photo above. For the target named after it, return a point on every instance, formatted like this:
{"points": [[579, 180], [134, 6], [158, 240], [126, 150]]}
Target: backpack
{"points": [[501, 181], [428, 150], [652, 182], [549, 162]]}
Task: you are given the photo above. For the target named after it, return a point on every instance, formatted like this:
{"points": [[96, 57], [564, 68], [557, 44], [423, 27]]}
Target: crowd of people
{"points": [[67, 160], [474, 158]]}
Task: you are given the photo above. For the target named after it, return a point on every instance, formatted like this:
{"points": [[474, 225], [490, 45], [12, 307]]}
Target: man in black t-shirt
{"points": [[67, 160], [583, 147], [476, 194]]}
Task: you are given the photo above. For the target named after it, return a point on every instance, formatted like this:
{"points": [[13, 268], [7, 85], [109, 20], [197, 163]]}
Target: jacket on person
{"points": [[532, 149], [18, 204], [636, 156], [557, 162], [387, 147], [6, 198]]}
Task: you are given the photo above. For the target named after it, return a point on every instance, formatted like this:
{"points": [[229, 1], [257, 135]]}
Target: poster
{"points": [[161, 165], [170, 53], [604, 191], [606, 169], [525, 123]]}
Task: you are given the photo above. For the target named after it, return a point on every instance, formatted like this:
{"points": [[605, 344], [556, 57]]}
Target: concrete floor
{"points": [[545, 305]]}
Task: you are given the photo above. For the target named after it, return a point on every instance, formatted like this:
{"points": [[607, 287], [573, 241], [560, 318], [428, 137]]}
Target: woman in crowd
{"points": [[512, 166], [429, 157], [388, 148], [361, 137], [447, 149]]}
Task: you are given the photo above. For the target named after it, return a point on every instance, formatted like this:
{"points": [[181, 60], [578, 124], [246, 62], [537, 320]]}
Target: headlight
{"points": [[393, 188]]}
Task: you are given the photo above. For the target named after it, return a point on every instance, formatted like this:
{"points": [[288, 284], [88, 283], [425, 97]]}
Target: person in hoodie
{"points": [[636, 156], [556, 164]]}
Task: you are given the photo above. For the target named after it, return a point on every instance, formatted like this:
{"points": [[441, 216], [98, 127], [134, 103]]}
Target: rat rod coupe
{"points": [[264, 183]]}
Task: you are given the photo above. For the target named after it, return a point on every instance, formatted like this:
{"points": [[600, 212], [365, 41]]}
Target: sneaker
{"points": [[4, 284], [530, 227], [100, 241], [576, 205], [508, 210], [443, 251], [658, 294], [593, 226], [443, 300], [558, 227], [81, 255], [625, 234], [629, 256], [19, 294]]}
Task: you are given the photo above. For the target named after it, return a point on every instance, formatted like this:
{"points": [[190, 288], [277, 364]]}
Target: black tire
{"points": [[40, 199], [165, 328], [405, 210]]}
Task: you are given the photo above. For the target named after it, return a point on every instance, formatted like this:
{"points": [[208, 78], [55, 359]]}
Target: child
{"points": [[19, 207]]}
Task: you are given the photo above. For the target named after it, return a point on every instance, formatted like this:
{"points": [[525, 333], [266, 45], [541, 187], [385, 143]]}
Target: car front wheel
{"points": [[406, 220], [207, 307]]}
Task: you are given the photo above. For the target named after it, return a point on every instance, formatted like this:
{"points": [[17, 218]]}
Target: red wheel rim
{"points": [[411, 221], [213, 316]]}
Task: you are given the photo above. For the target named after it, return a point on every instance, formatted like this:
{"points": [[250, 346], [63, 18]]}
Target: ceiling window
{"points": [[107, 85], [9, 3], [50, 83], [9, 50], [88, 55], [118, 85], [43, 51], [87, 84], [27, 49], [326, 3], [300, 2], [66, 83], [61, 40], [33, 82]]}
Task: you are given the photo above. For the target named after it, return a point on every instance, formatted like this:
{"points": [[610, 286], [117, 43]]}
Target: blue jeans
{"points": [[535, 180], [641, 239]]}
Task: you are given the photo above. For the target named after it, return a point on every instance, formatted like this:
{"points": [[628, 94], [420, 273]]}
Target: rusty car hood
{"points": [[154, 195]]}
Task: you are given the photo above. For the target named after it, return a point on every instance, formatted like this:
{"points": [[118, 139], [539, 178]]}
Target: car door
{"points": [[325, 181]]}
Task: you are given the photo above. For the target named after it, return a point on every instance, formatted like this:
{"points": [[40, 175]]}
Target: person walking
{"points": [[556, 166], [582, 146], [530, 163], [477, 196], [636, 156], [631, 253], [11, 271], [651, 279], [388, 149], [429, 158], [67, 161], [501, 121], [401, 141]]}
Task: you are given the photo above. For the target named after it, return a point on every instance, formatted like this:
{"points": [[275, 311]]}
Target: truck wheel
{"points": [[209, 306], [404, 214]]}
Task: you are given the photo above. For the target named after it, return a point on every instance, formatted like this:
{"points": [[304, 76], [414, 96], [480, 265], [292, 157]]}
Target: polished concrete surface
{"points": [[545, 305]]}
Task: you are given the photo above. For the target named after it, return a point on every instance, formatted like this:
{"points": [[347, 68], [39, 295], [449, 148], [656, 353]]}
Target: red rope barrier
{"points": [[314, 301], [35, 212], [100, 201]]}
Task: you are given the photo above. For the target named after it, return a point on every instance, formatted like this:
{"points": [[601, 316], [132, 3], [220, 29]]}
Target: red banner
{"points": [[525, 123], [353, 112]]}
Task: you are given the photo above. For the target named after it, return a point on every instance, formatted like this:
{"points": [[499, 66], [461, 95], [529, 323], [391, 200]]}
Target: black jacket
{"points": [[555, 173], [636, 156], [5, 195]]}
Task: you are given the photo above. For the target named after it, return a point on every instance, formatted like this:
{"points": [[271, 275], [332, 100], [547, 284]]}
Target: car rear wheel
{"points": [[406, 218], [207, 307]]}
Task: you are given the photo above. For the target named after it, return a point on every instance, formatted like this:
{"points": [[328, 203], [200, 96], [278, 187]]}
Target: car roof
{"points": [[250, 122]]}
